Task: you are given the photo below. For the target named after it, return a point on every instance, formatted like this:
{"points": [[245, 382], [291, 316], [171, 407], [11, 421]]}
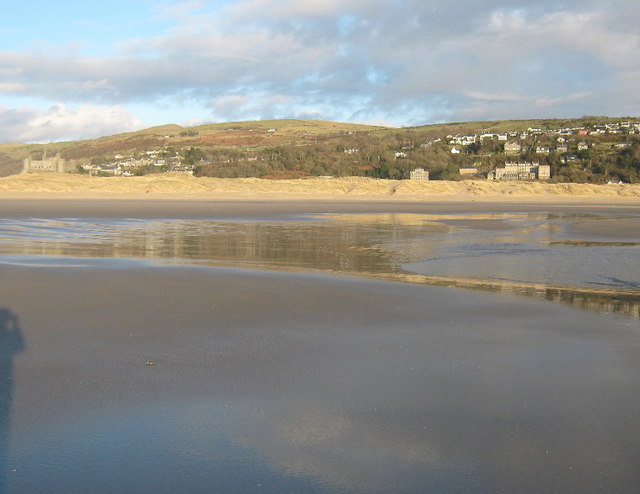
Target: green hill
{"points": [[588, 149]]}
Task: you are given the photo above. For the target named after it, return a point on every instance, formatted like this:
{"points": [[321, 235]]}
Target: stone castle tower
{"points": [[56, 164]]}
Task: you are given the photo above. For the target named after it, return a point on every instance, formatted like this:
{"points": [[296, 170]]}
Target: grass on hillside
{"points": [[256, 134]]}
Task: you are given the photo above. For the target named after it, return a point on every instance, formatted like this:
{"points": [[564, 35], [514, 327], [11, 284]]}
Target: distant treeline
{"points": [[393, 156]]}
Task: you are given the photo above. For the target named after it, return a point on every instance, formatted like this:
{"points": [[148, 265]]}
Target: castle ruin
{"points": [[56, 164]]}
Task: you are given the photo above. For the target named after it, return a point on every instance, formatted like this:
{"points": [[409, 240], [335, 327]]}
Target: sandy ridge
{"points": [[182, 186]]}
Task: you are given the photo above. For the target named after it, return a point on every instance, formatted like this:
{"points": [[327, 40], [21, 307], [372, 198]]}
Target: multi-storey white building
{"points": [[521, 171]]}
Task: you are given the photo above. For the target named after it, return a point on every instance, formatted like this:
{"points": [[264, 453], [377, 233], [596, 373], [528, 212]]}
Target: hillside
{"points": [[590, 149], [228, 135]]}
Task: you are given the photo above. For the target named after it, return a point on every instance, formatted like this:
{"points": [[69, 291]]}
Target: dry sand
{"points": [[185, 187]]}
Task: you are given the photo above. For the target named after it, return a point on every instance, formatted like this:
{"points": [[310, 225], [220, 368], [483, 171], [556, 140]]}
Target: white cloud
{"points": [[12, 87], [288, 9], [407, 62], [63, 123]]}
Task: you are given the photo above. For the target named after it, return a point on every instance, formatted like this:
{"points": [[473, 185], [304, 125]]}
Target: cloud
{"points": [[406, 62], [64, 123], [12, 87]]}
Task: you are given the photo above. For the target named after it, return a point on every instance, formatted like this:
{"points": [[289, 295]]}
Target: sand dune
{"points": [[182, 186]]}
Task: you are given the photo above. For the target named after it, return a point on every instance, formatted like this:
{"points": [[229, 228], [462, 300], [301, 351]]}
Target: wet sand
{"points": [[313, 384], [220, 209], [123, 376]]}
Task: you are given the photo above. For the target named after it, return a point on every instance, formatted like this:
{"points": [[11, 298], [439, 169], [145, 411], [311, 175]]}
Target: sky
{"points": [[76, 69]]}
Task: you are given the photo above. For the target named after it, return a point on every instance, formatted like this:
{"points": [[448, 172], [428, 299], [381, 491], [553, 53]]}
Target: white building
{"points": [[521, 171], [419, 174]]}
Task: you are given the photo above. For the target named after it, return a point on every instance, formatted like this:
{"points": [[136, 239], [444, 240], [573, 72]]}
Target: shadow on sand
{"points": [[11, 343]]}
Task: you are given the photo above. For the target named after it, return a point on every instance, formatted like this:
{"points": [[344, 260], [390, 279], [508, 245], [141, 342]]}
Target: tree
{"points": [[191, 156]]}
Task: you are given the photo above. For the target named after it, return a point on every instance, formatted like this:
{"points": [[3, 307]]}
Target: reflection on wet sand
{"points": [[521, 253], [626, 303]]}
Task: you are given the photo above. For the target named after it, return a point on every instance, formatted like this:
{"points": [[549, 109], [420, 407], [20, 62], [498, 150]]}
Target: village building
{"points": [[419, 174], [468, 170], [521, 171], [512, 147], [463, 140]]}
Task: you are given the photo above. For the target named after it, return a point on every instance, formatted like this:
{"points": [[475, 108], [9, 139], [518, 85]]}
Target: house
{"points": [[455, 151], [512, 147], [562, 149], [583, 146], [463, 140], [544, 172], [419, 174], [425, 145], [543, 150]]}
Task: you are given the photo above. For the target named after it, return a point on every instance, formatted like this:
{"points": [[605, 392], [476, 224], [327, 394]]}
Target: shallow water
{"points": [[591, 261]]}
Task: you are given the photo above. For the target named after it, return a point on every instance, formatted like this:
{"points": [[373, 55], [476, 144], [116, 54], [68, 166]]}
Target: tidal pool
{"points": [[590, 261]]}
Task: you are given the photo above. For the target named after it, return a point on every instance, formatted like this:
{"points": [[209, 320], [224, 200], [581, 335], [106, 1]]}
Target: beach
{"points": [[229, 345], [180, 186]]}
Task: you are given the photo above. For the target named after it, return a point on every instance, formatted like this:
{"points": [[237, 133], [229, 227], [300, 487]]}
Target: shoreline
{"points": [[262, 209], [181, 187]]}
